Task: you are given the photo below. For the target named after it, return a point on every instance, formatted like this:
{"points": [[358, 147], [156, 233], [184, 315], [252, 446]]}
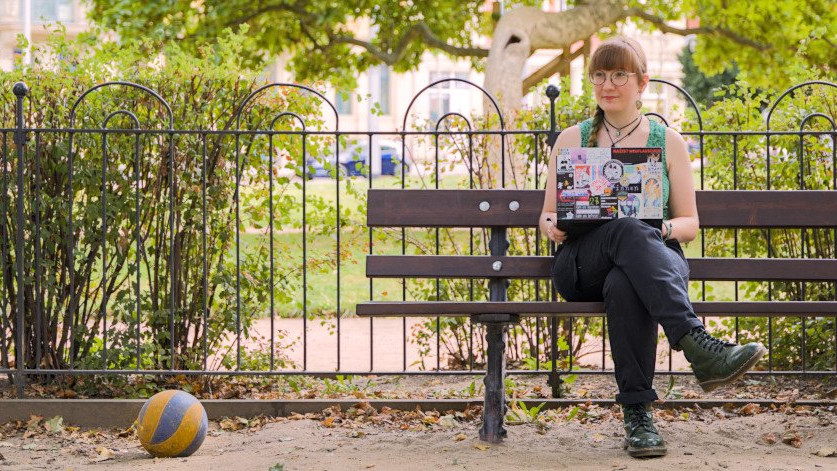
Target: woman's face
{"points": [[618, 98]]}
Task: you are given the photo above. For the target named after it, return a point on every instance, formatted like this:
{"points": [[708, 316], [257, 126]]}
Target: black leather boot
{"points": [[642, 440], [716, 362]]}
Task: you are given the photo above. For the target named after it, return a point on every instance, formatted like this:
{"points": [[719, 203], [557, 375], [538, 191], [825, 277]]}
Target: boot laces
{"points": [[638, 417], [708, 342]]}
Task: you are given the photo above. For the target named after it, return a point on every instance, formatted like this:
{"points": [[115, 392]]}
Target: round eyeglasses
{"points": [[617, 78]]}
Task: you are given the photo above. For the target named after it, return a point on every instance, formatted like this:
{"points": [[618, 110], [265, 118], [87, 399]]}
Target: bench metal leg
{"points": [[494, 409]]}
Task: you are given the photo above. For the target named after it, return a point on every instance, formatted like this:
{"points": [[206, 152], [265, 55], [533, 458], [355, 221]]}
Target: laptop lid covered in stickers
{"points": [[599, 184]]}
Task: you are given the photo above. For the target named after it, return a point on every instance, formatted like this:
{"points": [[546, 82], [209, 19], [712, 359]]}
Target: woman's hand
{"points": [[548, 227]]}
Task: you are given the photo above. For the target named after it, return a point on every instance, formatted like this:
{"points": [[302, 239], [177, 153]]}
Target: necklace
{"points": [[617, 141], [619, 129]]}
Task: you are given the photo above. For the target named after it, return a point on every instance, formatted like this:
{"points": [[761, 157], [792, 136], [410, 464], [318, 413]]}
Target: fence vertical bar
{"points": [[4, 250], [138, 235], [203, 252], [20, 90], [39, 302], [371, 288]]}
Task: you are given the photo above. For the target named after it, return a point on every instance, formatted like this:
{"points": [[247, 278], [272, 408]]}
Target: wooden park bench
{"points": [[500, 210]]}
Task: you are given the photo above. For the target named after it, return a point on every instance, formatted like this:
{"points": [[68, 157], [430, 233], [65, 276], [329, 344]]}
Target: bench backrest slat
{"points": [[718, 269], [461, 208]]}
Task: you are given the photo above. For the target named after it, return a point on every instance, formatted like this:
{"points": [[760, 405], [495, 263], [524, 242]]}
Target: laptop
{"points": [[596, 185]]}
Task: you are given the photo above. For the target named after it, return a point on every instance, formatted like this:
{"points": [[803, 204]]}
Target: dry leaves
{"points": [[481, 446], [791, 437], [233, 424], [826, 452], [103, 454], [770, 438]]}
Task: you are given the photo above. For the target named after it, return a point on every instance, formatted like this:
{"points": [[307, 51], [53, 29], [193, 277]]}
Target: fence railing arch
{"points": [[546, 339]]}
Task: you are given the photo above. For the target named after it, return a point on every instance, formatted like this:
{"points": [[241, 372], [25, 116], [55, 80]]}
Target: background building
{"points": [[70, 13]]}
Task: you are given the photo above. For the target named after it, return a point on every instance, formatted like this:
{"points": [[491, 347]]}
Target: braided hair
{"points": [[592, 141], [615, 53]]}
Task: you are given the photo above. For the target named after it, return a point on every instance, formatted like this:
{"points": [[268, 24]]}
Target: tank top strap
{"points": [[657, 135]]}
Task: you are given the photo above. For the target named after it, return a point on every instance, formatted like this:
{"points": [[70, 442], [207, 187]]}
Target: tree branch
{"points": [[417, 31], [666, 28], [551, 67]]}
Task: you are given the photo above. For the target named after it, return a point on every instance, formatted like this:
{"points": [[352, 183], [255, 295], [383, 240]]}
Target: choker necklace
{"points": [[613, 143], [617, 129]]}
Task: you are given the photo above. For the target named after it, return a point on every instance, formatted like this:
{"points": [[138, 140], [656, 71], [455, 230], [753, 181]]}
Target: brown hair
{"points": [[615, 53]]}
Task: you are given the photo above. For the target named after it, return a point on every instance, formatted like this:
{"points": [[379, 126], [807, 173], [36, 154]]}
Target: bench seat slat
{"points": [[549, 308], [481, 266], [460, 208]]}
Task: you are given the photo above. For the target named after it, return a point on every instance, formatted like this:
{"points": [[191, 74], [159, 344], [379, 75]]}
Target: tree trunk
{"points": [[518, 33]]}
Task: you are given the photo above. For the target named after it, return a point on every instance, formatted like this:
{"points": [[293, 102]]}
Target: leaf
{"points": [[328, 422], [572, 413], [459, 437], [34, 421], [232, 424], [750, 409], [103, 454], [792, 438], [55, 424], [447, 422], [826, 451], [481, 446]]}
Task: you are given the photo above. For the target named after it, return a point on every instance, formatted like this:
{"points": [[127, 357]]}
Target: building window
{"points": [[50, 10], [343, 102], [440, 75], [442, 94], [439, 105], [384, 90]]}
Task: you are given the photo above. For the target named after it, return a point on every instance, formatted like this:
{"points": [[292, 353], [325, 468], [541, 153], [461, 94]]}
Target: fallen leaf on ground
{"points": [[328, 422], [792, 438], [232, 424], [55, 424], [33, 425], [103, 454], [481, 446], [459, 437], [750, 409], [770, 438], [66, 394], [447, 422], [826, 452]]}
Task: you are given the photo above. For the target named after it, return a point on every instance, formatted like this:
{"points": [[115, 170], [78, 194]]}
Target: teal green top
{"points": [[656, 138]]}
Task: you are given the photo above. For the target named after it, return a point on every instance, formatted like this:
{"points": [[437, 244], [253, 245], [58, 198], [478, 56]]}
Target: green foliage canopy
{"points": [[774, 42]]}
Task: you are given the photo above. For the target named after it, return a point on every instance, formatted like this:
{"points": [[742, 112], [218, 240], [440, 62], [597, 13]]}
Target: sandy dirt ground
{"points": [[706, 439]]}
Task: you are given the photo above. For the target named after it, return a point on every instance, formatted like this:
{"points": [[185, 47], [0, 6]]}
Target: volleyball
{"points": [[172, 423]]}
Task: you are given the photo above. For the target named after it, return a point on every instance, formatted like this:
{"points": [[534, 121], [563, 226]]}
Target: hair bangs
{"points": [[616, 54]]}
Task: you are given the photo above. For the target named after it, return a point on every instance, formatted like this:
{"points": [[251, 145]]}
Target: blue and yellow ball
{"points": [[172, 423]]}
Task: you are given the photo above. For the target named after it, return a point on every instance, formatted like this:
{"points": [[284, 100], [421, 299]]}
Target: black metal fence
{"points": [[121, 269]]}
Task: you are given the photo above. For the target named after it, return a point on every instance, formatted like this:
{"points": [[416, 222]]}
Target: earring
{"points": [[639, 104]]}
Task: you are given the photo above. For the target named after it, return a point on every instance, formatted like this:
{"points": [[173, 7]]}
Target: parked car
{"points": [[353, 160]]}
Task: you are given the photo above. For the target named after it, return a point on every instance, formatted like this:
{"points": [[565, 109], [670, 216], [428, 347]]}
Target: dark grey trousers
{"points": [[643, 282]]}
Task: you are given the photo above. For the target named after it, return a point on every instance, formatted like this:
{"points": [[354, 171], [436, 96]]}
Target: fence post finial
{"points": [[552, 93]]}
